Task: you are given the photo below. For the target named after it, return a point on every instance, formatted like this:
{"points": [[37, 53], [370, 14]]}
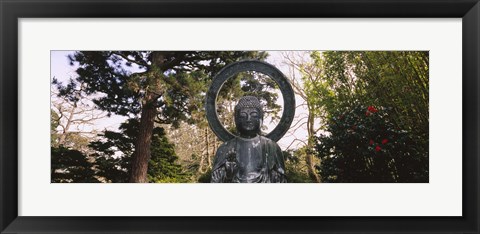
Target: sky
{"points": [[63, 71]]}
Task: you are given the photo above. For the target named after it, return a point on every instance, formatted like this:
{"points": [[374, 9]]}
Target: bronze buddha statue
{"points": [[249, 157]]}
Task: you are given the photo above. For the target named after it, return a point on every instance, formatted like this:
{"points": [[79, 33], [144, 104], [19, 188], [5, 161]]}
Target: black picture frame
{"points": [[11, 11]]}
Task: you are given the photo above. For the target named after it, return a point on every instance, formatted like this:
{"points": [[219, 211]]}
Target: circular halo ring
{"points": [[258, 66]]}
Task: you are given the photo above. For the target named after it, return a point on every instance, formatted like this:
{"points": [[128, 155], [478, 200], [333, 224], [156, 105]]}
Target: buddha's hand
{"points": [[231, 165]]}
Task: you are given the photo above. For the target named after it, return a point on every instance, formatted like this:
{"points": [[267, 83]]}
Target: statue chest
{"points": [[250, 160]]}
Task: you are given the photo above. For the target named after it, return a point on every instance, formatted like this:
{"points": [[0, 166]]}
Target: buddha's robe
{"points": [[252, 160]]}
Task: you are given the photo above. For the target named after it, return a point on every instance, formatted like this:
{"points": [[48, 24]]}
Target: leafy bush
{"points": [[295, 166], [205, 178], [362, 144]]}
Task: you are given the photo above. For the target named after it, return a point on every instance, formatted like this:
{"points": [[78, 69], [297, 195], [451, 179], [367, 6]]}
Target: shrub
{"points": [[362, 144]]}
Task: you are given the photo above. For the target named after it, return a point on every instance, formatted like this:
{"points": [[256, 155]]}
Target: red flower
{"points": [[372, 109], [371, 142], [384, 141], [367, 113], [378, 148]]}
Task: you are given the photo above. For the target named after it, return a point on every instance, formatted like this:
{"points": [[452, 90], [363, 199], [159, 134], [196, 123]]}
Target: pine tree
{"points": [[157, 86], [71, 166], [114, 153]]}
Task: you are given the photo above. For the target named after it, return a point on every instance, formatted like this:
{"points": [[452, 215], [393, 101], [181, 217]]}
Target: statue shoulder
{"points": [[275, 157], [270, 143], [226, 147]]}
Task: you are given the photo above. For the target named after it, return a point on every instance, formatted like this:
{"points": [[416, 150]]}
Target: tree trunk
{"points": [[311, 167], [142, 146], [153, 91], [309, 152], [209, 161]]}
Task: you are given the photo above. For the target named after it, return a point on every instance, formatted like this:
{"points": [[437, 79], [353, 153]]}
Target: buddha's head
{"points": [[248, 116]]}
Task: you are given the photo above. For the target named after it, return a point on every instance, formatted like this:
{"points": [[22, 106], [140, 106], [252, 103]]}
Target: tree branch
{"points": [[141, 63]]}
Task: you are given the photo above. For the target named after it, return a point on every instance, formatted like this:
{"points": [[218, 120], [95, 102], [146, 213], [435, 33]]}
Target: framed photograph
{"points": [[435, 44]]}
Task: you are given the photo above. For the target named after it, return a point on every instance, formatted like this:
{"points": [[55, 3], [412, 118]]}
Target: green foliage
{"points": [[71, 166], [295, 168], [206, 177], [162, 167], [350, 80], [129, 78], [397, 79], [364, 145], [113, 155]]}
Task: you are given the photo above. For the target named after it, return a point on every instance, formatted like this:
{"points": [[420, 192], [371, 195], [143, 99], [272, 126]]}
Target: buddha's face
{"points": [[248, 121]]}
